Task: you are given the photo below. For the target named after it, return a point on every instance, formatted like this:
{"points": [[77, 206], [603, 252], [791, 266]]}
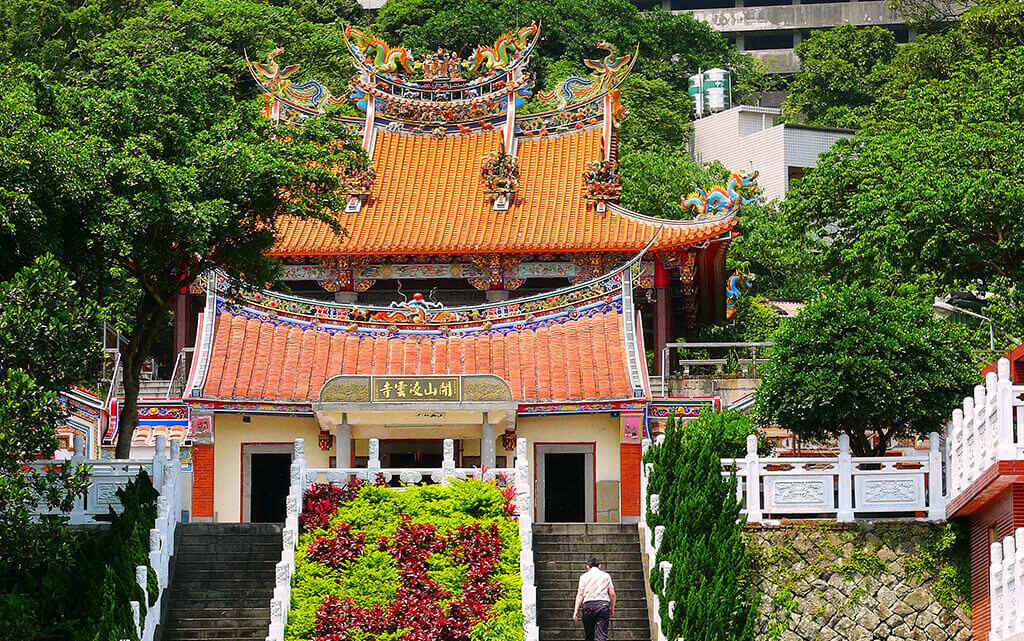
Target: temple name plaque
{"points": [[416, 388]]}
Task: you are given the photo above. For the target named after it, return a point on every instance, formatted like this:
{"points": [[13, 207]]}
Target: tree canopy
{"points": [[51, 337], [863, 362]]}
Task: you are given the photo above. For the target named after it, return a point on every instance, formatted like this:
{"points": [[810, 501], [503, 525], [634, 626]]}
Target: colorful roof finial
{"points": [[309, 96]]}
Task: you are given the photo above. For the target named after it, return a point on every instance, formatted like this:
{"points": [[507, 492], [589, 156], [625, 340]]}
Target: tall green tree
{"points": [[154, 163], [841, 73], [51, 336], [703, 539], [865, 363]]}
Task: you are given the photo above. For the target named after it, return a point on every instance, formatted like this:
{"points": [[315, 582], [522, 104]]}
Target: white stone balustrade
{"points": [[989, 427], [303, 477], [842, 487], [649, 541], [1006, 587]]}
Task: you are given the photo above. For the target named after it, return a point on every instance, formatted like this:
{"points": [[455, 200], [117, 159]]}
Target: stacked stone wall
{"points": [[894, 580]]}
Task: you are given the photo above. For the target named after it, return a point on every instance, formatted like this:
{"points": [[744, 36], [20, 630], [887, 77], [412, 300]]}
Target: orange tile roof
{"points": [[428, 199], [575, 360]]}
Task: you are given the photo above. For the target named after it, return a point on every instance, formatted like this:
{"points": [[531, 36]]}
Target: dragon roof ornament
{"points": [[608, 73], [741, 189]]}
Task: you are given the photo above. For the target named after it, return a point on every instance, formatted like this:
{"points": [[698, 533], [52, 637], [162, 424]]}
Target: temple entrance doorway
{"points": [[565, 483], [266, 475], [414, 453]]}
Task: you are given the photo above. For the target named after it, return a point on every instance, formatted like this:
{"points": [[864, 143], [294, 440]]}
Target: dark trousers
{"points": [[596, 615]]}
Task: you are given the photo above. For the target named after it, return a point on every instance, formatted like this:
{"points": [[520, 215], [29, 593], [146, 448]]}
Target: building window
{"points": [[688, 5], [902, 35], [758, 41], [765, 3]]}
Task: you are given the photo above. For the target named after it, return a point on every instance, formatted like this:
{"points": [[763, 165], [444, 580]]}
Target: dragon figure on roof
{"points": [[501, 55], [741, 189], [377, 53], [277, 84], [608, 74]]}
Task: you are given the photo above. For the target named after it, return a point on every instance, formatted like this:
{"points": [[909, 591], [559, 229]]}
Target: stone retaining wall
{"points": [[825, 582]]}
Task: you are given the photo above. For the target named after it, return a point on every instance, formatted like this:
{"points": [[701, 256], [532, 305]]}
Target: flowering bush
{"points": [[443, 565]]}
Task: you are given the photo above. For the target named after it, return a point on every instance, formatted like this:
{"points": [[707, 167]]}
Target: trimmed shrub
{"points": [[424, 563], [710, 580]]}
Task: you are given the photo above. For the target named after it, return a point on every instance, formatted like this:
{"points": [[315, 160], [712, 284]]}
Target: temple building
{"points": [[488, 287]]}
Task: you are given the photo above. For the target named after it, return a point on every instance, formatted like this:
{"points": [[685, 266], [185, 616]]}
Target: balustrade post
{"points": [[77, 515], [659, 534], [666, 569], [972, 444], [1006, 449], [845, 513], [300, 458], [159, 461], [957, 453], [1018, 582], [1009, 577], [175, 498], [936, 499], [995, 571], [983, 428], [448, 462], [753, 481], [373, 462]]}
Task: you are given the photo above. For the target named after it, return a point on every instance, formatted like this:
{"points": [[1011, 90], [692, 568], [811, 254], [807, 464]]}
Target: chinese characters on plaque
{"points": [[418, 388]]}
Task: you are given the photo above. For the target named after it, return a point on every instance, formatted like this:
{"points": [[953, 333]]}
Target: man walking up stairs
{"points": [[561, 552]]}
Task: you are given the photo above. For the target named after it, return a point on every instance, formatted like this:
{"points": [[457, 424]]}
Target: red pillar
{"points": [[629, 486], [202, 482], [662, 312]]}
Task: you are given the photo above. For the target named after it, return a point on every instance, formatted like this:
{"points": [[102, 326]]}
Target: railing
{"points": [[1006, 587], [741, 355], [179, 374], [988, 428], [651, 541], [842, 487], [105, 478], [303, 477]]}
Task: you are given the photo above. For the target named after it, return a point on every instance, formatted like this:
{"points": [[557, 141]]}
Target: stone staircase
{"points": [[222, 582], [561, 551]]}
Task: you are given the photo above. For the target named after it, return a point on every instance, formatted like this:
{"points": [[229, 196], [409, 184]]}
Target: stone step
{"points": [[214, 602], [248, 594], [618, 529], [238, 634], [567, 593], [200, 610], [545, 539], [205, 624], [572, 578], [190, 563], [598, 549], [623, 612], [614, 632], [242, 529], [610, 565], [230, 550]]}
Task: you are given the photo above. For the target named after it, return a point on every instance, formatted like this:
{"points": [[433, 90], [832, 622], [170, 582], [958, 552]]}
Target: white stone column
{"points": [[488, 454], [343, 443]]}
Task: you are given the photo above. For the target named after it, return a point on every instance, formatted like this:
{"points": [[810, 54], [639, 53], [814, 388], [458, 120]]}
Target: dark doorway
{"points": [[269, 487], [410, 453], [565, 489]]}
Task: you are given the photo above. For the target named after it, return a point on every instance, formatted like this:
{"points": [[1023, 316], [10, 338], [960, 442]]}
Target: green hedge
{"points": [[710, 581], [82, 590], [372, 578]]}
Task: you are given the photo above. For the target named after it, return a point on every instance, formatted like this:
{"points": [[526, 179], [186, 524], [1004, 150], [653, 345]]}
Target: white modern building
{"points": [[770, 29], [746, 138]]}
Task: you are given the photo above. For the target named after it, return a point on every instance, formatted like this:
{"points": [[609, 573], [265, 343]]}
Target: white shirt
{"points": [[595, 585]]}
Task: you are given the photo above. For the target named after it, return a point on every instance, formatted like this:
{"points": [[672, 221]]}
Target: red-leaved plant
{"points": [[418, 602]]}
